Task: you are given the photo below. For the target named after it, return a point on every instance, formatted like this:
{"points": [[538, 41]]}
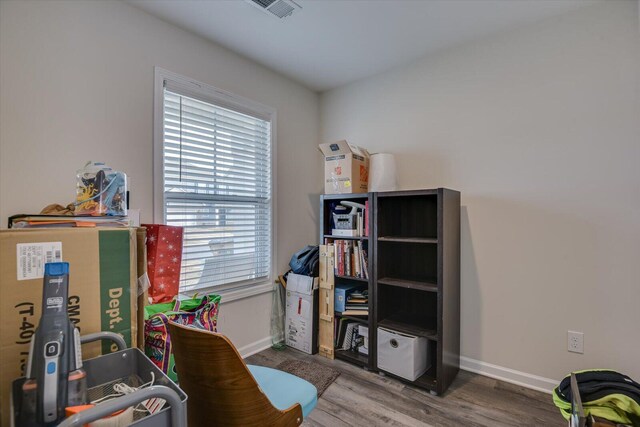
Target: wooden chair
{"points": [[223, 391]]}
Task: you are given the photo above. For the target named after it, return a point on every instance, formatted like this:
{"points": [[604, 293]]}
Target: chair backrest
{"points": [[219, 386]]}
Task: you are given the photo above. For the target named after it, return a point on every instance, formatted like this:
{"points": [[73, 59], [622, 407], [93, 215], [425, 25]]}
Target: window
{"points": [[216, 183]]}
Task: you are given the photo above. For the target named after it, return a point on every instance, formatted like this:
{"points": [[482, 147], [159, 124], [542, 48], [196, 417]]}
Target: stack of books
{"points": [[357, 304], [55, 221]]}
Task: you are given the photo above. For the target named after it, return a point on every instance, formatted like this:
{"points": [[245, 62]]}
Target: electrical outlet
{"points": [[575, 342]]}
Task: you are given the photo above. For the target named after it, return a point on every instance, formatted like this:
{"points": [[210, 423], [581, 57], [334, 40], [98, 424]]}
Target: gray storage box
{"points": [[403, 355]]}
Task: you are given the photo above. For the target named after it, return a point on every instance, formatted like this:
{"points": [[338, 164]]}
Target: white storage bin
{"points": [[403, 355]]}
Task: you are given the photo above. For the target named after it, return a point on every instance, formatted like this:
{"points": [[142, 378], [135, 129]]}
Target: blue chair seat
{"points": [[284, 389]]}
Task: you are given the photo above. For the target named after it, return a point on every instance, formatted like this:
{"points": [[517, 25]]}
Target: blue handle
{"points": [[56, 269]]}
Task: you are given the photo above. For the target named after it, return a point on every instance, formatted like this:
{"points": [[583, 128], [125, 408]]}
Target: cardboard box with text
{"points": [[346, 168], [301, 313]]}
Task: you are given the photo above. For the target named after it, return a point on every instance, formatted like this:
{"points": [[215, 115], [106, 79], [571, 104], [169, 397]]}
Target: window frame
{"points": [[208, 93]]}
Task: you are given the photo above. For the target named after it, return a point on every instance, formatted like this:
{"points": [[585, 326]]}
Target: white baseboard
{"points": [[535, 382], [255, 347]]}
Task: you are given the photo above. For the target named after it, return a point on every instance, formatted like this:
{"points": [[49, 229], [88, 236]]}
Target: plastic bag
{"points": [[277, 318], [100, 191], [306, 261], [200, 313]]}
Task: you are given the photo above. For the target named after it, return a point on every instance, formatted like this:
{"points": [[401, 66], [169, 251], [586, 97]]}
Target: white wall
{"points": [[540, 130], [76, 83]]}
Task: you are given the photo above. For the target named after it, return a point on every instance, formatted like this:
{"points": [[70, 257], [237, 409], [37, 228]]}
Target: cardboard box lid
{"points": [[301, 284], [341, 148]]}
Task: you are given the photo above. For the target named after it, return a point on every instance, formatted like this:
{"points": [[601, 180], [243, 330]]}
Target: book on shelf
{"points": [[366, 218], [357, 250], [360, 293], [355, 312], [340, 261], [356, 308], [341, 328], [363, 262], [348, 337]]}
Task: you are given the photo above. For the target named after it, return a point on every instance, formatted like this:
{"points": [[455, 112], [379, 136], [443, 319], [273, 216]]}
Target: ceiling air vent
{"points": [[278, 8]]}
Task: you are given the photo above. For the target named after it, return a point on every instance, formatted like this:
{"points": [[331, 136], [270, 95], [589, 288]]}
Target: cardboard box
{"points": [[346, 168], [301, 319], [143, 282], [103, 290]]}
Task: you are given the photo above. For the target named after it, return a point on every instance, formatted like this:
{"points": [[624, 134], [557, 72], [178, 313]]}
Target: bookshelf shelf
{"points": [[353, 357], [429, 331], [360, 319], [399, 239], [428, 285], [428, 380], [331, 236], [358, 279]]}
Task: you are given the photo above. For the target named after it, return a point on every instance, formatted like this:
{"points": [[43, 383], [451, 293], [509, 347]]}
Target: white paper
{"points": [[32, 257]]}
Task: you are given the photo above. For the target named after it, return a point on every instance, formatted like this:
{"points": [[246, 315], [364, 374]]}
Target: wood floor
{"points": [[361, 398]]}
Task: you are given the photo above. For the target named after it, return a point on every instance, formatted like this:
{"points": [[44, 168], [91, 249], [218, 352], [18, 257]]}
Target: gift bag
{"points": [[164, 258], [197, 312]]}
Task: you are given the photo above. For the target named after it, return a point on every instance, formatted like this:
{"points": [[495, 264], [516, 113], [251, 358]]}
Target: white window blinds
{"points": [[217, 185]]}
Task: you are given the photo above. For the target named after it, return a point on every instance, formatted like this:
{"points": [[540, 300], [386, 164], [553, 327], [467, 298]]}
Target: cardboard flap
{"points": [[335, 148], [301, 284], [359, 151]]}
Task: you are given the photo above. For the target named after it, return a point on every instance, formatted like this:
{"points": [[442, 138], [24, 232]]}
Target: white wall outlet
{"points": [[575, 342]]}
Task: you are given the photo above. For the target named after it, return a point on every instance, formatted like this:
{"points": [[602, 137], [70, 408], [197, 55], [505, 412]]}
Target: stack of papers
{"points": [[54, 221]]}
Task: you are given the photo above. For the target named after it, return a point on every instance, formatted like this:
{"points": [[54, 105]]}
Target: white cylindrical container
{"points": [[382, 172]]}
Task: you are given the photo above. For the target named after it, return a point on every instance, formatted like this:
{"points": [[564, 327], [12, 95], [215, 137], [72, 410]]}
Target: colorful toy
{"points": [[100, 191]]}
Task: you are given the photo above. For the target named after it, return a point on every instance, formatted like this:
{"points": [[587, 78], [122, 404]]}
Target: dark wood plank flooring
{"points": [[361, 398]]}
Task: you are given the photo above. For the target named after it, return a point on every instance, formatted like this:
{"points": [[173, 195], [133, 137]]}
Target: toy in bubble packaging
{"points": [[100, 191]]}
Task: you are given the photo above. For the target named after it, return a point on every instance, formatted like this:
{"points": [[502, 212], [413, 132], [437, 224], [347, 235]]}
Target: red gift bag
{"points": [[164, 258]]}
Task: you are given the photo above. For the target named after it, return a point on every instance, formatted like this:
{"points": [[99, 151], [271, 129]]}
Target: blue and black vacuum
{"points": [[55, 378]]}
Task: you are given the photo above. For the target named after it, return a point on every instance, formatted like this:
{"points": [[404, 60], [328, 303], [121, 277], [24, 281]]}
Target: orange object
{"points": [[72, 410]]}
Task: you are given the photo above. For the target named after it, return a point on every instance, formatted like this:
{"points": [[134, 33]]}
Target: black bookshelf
{"points": [[416, 275], [413, 250]]}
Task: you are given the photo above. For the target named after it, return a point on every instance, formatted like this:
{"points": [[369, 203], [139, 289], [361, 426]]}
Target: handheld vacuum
{"points": [[55, 378]]}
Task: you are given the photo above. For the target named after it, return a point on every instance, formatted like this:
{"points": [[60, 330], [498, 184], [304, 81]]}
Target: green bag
{"points": [[197, 312], [604, 393]]}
